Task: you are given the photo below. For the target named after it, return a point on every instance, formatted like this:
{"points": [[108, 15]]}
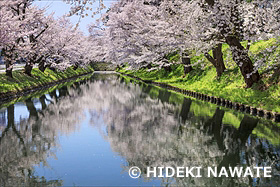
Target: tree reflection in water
{"points": [[22, 147], [152, 132], [143, 125]]}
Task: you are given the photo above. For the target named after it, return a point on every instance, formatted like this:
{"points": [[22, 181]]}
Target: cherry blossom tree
{"points": [[232, 22], [14, 28], [138, 32], [32, 49], [98, 44], [27, 34], [64, 46], [145, 31]]}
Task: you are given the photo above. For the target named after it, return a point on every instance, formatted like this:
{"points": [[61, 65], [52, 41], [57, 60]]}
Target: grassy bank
{"points": [[231, 86], [21, 81], [39, 93], [205, 110]]}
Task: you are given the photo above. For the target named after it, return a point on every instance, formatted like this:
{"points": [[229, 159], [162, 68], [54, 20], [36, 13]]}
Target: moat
{"points": [[92, 132]]}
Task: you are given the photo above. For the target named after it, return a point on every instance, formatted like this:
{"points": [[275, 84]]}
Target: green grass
{"points": [[231, 86], [39, 93], [21, 81]]}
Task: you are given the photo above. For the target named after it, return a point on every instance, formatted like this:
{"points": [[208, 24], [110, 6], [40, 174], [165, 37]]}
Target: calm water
{"points": [[90, 134]]}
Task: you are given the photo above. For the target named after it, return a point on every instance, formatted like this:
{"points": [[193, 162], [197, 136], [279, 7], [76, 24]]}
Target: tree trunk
{"points": [[10, 121], [186, 106], [43, 102], [8, 56], [186, 61], [217, 59], [218, 56], [75, 67], [164, 95], [9, 68], [214, 126], [247, 125], [53, 95], [42, 66], [146, 88], [31, 108], [167, 68], [239, 53], [248, 45], [11, 115], [28, 68], [149, 65], [63, 92], [241, 58]]}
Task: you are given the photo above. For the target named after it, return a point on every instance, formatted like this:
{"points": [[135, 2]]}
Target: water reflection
{"points": [[21, 147], [145, 125]]}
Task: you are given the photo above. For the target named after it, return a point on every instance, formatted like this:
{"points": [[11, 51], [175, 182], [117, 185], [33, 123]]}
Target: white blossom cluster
{"points": [[27, 34], [142, 31]]}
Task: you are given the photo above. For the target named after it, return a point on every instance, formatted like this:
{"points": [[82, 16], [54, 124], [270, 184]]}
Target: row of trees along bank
{"points": [[29, 35], [143, 32]]}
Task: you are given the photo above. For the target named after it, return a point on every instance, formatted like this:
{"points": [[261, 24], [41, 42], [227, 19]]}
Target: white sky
{"points": [[60, 8]]}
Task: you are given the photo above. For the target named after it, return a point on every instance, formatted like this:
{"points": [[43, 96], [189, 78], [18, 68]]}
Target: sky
{"points": [[60, 8]]}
